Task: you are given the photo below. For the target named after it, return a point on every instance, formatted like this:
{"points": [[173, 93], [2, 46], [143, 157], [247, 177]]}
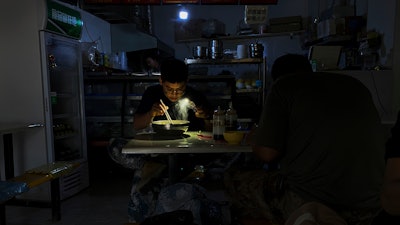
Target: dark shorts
{"points": [[257, 194], [260, 194]]}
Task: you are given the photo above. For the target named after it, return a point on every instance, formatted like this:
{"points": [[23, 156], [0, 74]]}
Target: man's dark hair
{"points": [[174, 71], [289, 64]]}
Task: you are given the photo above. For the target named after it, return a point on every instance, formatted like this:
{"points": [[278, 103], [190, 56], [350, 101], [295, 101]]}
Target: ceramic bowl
{"points": [[233, 137], [178, 127]]}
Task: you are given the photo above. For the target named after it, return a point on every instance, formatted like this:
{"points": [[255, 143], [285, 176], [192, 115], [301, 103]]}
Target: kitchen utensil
{"points": [[200, 52], [216, 49]]}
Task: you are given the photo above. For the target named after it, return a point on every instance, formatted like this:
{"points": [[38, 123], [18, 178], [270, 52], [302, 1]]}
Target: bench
{"points": [[32, 178]]}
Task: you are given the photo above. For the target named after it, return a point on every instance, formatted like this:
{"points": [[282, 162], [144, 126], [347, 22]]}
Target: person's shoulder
{"points": [[317, 76], [342, 77]]}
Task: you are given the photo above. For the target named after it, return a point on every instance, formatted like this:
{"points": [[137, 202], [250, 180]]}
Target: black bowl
{"points": [[164, 127]]}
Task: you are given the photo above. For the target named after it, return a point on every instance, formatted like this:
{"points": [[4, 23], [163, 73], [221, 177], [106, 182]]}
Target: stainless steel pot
{"points": [[200, 52], [216, 49]]}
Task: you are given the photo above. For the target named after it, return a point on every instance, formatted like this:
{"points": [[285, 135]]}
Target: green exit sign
{"points": [[63, 20]]}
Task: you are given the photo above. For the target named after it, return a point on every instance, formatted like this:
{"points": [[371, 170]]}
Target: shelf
{"points": [[104, 96], [62, 116], [250, 90], [224, 61], [219, 97], [104, 119], [191, 77], [242, 37], [134, 97], [92, 76], [64, 136]]}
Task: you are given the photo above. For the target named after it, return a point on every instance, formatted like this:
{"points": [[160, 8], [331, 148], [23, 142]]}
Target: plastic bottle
{"points": [[231, 118], [218, 124]]}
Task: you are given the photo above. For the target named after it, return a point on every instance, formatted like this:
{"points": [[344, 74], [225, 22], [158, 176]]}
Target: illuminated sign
{"points": [[63, 20]]}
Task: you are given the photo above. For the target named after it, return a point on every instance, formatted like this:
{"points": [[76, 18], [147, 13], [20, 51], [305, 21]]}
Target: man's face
{"points": [[174, 91]]}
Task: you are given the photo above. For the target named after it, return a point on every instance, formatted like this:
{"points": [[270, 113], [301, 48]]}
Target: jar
{"points": [[256, 50]]}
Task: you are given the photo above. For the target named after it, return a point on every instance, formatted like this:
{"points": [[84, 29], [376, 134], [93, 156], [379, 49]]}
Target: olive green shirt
{"points": [[329, 134]]}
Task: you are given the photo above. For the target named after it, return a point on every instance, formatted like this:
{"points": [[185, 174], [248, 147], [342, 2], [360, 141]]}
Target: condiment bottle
{"points": [[218, 124], [231, 118]]}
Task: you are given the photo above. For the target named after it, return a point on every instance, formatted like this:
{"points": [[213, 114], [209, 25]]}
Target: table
{"points": [[7, 130], [193, 142]]}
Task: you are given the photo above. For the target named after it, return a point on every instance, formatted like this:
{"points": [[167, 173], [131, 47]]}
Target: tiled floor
{"points": [[105, 202]]}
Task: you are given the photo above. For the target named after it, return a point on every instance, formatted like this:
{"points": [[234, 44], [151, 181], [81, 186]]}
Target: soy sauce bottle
{"points": [[231, 118], [218, 124]]}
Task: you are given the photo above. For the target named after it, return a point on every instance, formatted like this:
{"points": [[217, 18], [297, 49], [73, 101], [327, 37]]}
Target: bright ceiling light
{"points": [[183, 14]]}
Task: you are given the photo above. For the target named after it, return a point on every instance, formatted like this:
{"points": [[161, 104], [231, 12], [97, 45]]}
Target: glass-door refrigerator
{"points": [[41, 83], [64, 108]]}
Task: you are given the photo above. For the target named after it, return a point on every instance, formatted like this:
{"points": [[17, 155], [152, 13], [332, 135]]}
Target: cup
{"points": [[241, 51]]}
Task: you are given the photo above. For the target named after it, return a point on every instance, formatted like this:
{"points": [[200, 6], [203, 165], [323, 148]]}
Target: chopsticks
{"points": [[166, 111]]}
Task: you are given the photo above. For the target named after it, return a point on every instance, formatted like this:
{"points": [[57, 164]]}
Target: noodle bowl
{"points": [[177, 127]]}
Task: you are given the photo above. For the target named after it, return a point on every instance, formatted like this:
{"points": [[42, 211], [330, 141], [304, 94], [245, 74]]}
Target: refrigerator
{"points": [[41, 82], [64, 107]]}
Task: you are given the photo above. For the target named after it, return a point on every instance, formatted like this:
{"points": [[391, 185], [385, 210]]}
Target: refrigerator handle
{"points": [[34, 125]]}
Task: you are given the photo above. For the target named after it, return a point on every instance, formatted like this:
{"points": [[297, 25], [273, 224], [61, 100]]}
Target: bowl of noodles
{"points": [[174, 128]]}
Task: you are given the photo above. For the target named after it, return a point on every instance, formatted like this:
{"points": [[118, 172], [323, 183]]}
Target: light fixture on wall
{"points": [[183, 13]]}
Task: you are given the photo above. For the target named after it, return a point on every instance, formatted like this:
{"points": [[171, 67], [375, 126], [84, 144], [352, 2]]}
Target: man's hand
{"points": [[201, 113], [157, 110]]}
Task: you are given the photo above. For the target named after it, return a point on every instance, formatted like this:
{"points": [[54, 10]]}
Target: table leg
{"points": [[173, 172], [3, 213], [8, 155]]}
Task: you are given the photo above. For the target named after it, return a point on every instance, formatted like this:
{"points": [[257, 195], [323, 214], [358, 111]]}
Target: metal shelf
{"points": [[245, 36], [224, 61], [251, 90], [100, 96]]}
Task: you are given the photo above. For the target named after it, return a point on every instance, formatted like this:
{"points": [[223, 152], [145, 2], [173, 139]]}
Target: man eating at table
{"points": [[182, 101], [173, 91]]}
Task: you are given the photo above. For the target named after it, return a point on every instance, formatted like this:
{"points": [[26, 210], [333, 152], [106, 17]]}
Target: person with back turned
{"points": [[325, 133], [390, 196]]}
